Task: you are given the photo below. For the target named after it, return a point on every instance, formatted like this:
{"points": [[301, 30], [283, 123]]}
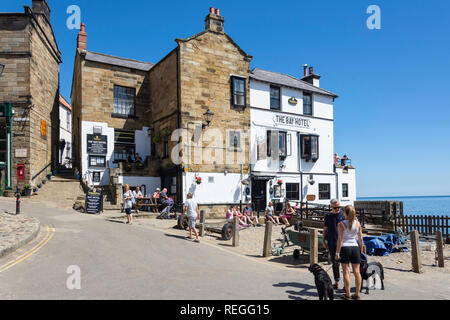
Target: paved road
{"points": [[133, 262]]}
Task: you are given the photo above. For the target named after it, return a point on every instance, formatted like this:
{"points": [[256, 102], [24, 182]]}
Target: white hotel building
{"points": [[292, 140]]}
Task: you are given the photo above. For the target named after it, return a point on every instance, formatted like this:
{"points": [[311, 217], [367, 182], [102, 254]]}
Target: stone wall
{"points": [[207, 62]]}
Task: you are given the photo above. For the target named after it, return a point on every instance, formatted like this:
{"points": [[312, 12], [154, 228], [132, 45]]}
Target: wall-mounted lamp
{"points": [[208, 118], [311, 180], [2, 67], [150, 131]]}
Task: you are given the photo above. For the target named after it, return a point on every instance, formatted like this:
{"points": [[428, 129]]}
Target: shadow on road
{"points": [[116, 221], [175, 236], [307, 291]]}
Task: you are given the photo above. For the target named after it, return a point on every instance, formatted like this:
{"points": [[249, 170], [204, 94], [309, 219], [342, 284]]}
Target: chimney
{"points": [[41, 7], [82, 38], [305, 70], [214, 21], [311, 78]]}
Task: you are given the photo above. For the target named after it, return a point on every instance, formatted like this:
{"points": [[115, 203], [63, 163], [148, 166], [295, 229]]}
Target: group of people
{"points": [[246, 219], [136, 158], [130, 199], [340, 161], [343, 239]]}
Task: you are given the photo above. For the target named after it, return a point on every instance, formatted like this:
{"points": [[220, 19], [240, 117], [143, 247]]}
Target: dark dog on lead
{"points": [[369, 270], [323, 282]]}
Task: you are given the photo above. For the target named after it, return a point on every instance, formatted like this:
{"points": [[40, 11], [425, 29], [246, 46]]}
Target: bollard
{"points": [[313, 246], [18, 201], [202, 223], [236, 232], [267, 240], [415, 254], [440, 248]]}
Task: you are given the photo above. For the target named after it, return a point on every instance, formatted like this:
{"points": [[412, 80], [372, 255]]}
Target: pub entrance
{"points": [[259, 195]]}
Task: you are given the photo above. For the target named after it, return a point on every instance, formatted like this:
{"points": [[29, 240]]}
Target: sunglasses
{"points": [[334, 208]]}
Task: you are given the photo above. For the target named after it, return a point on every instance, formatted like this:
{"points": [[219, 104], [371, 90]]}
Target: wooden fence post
{"points": [[313, 246], [202, 223], [267, 240], [416, 254], [236, 232], [440, 248]]}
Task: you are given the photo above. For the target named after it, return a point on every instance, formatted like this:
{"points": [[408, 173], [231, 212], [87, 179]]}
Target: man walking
{"points": [[331, 234], [192, 213]]}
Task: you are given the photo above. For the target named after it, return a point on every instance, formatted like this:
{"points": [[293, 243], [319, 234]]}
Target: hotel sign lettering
{"points": [[97, 144], [292, 121]]}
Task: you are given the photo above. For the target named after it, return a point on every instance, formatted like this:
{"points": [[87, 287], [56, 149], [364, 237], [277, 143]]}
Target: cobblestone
{"points": [[16, 231]]}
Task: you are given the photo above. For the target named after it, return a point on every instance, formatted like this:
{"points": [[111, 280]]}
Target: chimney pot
{"points": [[305, 70], [217, 12], [311, 70], [211, 10], [82, 38]]}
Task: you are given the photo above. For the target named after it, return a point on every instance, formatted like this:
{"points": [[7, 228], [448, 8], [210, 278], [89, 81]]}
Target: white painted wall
{"points": [[349, 178], [226, 188], [87, 127], [65, 133], [150, 183]]}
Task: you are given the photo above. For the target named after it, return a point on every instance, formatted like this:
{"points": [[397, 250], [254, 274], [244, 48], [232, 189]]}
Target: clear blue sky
{"points": [[392, 115]]}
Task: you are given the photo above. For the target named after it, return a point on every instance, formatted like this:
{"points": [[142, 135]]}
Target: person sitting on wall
{"points": [[138, 159], [288, 215], [130, 158], [248, 213], [269, 214], [343, 160], [336, 159], [157, 194], [163, 198]]}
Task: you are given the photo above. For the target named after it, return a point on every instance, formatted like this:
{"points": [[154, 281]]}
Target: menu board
{"points": [[97, 144], [94, 202]]}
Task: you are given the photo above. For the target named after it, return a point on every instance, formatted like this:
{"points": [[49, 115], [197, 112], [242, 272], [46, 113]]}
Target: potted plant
{"points": [[35, 190], [44, 181], [198, 180], [40, 185], [28, 190], [166, 132], [128, 167], [280, 182], [156, 138], [49, 176], [140, 166]]}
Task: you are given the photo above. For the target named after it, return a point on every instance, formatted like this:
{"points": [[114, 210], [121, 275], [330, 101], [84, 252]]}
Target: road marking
{"points": [[29, 253]]}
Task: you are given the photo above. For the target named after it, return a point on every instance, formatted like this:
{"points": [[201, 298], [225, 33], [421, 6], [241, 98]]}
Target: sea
{"points": [[419, 205]]}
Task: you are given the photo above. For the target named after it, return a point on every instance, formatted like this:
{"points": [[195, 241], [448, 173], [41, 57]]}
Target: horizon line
{"points": [[417, 196]]}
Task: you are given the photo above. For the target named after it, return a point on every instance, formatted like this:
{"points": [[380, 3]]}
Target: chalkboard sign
{"points": [[94, 202], [97, 144]]}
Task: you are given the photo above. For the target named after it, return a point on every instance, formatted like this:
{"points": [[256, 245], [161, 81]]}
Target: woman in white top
{"points": [[349, 250], [128, 203]]}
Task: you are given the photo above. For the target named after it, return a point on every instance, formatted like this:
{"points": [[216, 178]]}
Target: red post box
{"points": [[20, 172]]}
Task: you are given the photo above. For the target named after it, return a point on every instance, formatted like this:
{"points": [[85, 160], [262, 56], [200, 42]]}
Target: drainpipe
{"points": [[299, 160]]}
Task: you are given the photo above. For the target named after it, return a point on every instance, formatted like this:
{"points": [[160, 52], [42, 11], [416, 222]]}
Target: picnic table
{"points": [[147, 203]]}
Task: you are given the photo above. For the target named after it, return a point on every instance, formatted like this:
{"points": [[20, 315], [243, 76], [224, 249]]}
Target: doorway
{"points": [[259, 195]]}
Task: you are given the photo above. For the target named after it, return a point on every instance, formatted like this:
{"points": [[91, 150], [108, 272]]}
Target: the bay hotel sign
{"points": [[291, 121]]}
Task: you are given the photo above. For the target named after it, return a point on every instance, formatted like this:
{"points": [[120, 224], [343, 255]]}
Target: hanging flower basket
{"points": [[140, 166], [198, 180], [128, 167], [246, 182], [165, 132], [280, 182]]}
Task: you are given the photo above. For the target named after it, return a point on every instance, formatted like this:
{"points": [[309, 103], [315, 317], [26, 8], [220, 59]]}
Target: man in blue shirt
{"points": [[331, 234]]}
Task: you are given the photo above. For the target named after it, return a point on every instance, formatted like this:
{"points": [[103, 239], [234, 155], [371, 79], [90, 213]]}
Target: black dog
{"points": [[323, 282], [365, 275]]}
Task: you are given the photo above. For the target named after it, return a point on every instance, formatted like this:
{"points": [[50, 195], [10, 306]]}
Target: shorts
{"points": [[128, 211], [350, 255], [191, 221]]}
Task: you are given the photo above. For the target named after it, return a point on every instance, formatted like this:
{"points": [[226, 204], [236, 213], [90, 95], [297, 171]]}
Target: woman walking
{"points": [[348, 251], [128, 203]]}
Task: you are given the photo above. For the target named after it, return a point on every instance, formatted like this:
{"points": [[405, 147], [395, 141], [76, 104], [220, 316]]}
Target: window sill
{"points": [[232, 149], [123, 116]]}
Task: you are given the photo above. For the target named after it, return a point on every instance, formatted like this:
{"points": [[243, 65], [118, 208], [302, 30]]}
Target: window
{"points": [[166, 147], [345, 190], [281, 148], [324, 191], [307, 104], [292, 191], [234, 139], [124, 101], [97, 161], [310, 147], [275, 99], [238, 92], [124, 144], [68, 150], [68, 120]]}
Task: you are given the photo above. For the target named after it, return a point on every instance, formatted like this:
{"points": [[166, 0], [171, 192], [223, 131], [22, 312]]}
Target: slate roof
{"points": [[64, 102], [117, 61], [287, 80]]}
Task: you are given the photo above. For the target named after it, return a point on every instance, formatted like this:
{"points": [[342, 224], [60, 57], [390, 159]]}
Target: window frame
{"points": [[232, 135], [284, 134], [121, 143], [117, 112], [311, 104], [233, 91], [346, 189], [272, 99], [290, 192], [302, 147], [328, 197]]}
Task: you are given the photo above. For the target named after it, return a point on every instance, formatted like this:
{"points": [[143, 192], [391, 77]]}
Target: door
{"points": [[259, 195]]}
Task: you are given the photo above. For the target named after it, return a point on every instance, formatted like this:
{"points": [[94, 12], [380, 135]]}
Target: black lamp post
{"points": [[208, 118]]}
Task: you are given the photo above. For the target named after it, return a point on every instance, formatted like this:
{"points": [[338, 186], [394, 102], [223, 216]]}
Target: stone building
{"points": [[201, 86], [29, 96]]}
